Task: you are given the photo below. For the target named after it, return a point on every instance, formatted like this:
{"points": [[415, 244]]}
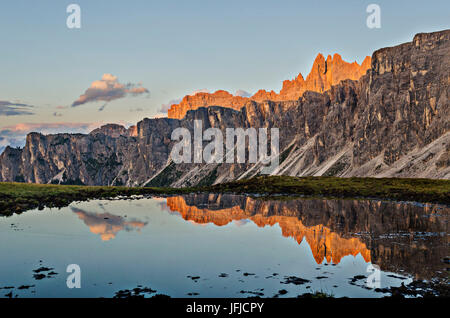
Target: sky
{"points": [[146, 53]]}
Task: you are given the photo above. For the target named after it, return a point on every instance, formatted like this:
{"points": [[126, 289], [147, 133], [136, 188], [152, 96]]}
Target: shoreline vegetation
{"points": [[19, 197]]}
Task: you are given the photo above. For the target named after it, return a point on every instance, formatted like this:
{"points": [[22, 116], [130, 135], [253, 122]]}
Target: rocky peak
{"points": [[114, 131], [218, 98], [323, 75]]}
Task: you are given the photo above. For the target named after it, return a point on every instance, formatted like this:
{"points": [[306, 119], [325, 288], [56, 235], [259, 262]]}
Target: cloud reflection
{"points": [[107, 225]]}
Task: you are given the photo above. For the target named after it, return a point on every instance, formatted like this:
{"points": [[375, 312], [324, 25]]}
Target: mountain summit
{"points": [[323, 75]]}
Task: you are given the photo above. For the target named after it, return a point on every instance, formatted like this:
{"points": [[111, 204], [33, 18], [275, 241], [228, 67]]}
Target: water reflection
{"points": [[324, 243], [105, 224], [396, 236], [239, 246]]}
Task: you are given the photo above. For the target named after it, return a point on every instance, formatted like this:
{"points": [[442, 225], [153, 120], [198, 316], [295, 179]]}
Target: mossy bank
{"points": [[17, 197]]}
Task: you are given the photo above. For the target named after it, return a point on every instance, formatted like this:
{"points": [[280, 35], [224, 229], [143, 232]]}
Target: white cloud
{"points": [[108, 89], [242, 93]]}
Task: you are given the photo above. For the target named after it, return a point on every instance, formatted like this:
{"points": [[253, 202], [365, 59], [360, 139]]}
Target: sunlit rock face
{"points": [[218, 98], [392, 235], [323, 75]]}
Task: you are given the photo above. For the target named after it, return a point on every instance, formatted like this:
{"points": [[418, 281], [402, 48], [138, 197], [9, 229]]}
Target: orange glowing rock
{"points": [[323, 75]]}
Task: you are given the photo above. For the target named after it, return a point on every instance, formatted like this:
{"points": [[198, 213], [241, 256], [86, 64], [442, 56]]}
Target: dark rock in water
{"points": [[295, 280], [138, 292], [255, 293], [395, 276], [315, 295], [39, 276], [248, 274], [42, 269], [356, 278], [40, 273], [125, 293], [382, 290], [223, 275], [321, 277], [25, 286]]}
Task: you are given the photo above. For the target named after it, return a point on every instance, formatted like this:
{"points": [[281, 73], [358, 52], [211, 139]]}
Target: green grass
{"points": [[18, 197], [402, 189]]}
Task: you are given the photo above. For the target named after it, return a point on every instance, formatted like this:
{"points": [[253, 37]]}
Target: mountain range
{"points": [[388, 117], [323, 75]]}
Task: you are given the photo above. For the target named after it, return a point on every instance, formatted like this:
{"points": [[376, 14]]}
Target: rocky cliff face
{"points": [[192, 102], [323, 75], [393, 121]]}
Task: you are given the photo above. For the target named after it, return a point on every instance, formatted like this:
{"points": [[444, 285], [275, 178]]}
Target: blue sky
{"points": [[173, 48]]}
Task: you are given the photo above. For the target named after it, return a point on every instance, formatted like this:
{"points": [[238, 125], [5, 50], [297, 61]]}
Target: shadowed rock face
{"points": [[395, 236], [393, 122]]}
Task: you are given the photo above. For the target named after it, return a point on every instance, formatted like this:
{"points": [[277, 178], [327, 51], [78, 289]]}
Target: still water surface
{"points": [[222, 246]]}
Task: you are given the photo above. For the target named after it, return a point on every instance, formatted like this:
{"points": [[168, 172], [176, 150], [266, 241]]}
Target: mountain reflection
{"points": [[323, 242], [393, 235], [105, 224]]}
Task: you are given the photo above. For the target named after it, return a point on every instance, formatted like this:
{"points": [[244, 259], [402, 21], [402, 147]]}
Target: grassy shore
{"points": [[401, 189], [18, 197]]}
